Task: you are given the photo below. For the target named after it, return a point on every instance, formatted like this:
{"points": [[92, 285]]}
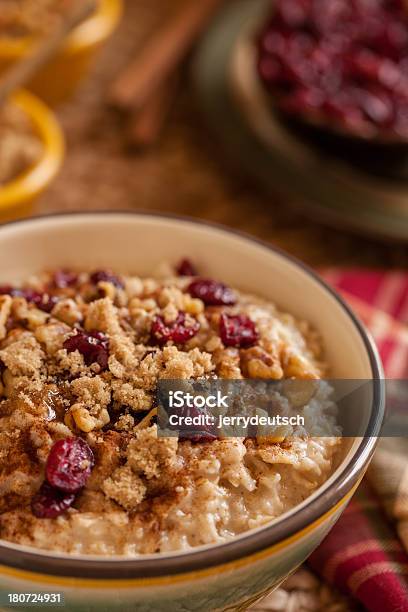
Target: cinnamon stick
{"points": [[159, 58], [145, 126]]}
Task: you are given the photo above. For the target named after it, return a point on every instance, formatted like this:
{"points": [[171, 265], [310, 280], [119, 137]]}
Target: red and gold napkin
{"points": [[366, 554]]}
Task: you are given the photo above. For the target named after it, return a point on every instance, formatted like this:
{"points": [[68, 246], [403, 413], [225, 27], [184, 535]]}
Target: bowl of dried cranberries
{"points": [[341, 65]]}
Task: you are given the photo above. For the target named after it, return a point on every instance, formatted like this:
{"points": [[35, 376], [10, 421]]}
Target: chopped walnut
{"points": [[108, 290], [52, 336], [5, 309], [296, 366], [228, 363], [87, 420], [171, 295], [23, 312], [257, 363], [68, 311], [134, 287]]}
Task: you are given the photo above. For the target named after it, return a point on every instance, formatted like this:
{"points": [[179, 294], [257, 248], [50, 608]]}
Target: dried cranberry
{"points": [[178, 331], [28, 294], [64, 278], [50, 503], [44, 301], [93, 345], [402, 118], [271, 69], [274, 42], [389, 74], [201, 436], [186, 268], [307, 98], [238, 331], [6, 289], [293, 13], [69, 464], [106, 276], [352, 52], [201, 433], [376, 106], [211, 292], [344, 108], [363, 64]]}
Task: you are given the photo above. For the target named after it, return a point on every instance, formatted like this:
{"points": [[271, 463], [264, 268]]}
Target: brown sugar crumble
{"points": [[20, 147], [82, 468], [22, 18]]}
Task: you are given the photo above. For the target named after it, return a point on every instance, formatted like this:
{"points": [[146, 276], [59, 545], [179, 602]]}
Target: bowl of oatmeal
{"points": [[22, 23], [31, 153], [96, 311]]}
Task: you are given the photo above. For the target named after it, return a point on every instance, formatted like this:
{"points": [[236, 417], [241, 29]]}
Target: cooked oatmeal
{"points": [[19, 18], [82, 468], [19, 145]]}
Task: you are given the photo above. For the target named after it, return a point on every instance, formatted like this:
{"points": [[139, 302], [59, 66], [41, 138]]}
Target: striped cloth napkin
{"points": [[366, 554]]}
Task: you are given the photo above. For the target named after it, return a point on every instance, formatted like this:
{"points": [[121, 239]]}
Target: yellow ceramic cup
{"points": [[17, 196], [58, 80]]}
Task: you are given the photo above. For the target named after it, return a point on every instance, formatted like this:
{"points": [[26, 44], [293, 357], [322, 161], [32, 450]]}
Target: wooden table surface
{"points": [[185, 173]]}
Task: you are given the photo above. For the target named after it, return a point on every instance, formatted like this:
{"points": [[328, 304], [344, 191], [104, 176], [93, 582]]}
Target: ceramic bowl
{"points": [[17, 196], [59, 79], [232, 575]]}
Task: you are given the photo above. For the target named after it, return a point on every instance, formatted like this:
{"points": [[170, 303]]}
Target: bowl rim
{"points": [[33, 181], [93, 30], [250, 543]]}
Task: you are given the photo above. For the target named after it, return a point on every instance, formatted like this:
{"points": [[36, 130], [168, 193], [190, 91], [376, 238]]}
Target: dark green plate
{"points": [[321, 184]]}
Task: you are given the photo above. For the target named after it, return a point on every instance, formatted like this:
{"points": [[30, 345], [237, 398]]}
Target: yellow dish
{"points": [[58, 80], [17, 196]]}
